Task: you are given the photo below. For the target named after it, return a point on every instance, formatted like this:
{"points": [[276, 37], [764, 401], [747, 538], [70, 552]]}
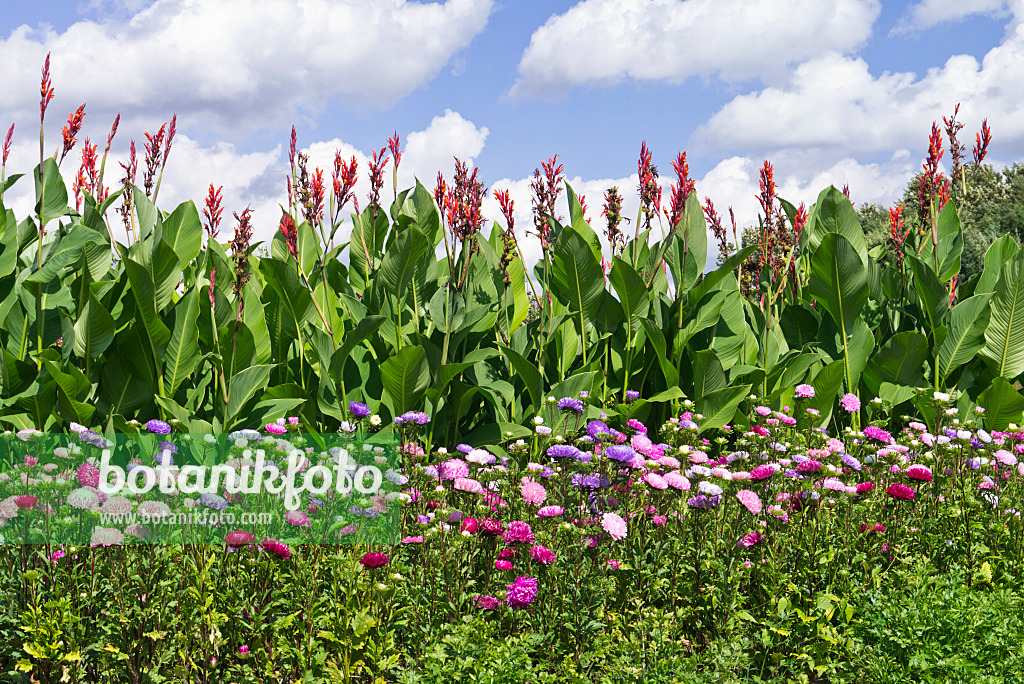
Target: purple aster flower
{"points": [[570, 405], [522, 592], [158, 427], [621, 452], [704, 501], [851, 461], [631, 396], [591, 481], [597, 427], [214, 501], [464, 448], [358, 409], [563, 451]]}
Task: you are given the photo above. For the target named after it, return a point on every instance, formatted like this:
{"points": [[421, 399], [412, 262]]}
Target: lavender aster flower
{"points": [[358, 409], [621, 452], [570, 405], [563, 451], [214, 501], [158, 427], [631, 396], [851, 461]]}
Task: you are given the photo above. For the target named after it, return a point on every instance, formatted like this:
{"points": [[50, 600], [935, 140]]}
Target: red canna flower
{"points": [[240, 255], [291, 237], [546, 187], [212, 211], [681, 190], [377, 163], [981, 142], [45, 89], [395, 145], [507, 205], [87, 174], [154, 155], [69, 132], [343, 180], [7, 144], [613, 214]]}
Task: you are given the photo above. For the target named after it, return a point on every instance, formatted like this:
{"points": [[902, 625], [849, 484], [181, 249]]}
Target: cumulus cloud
{"points": [[242, 62], [925, 14], [601, 42], [834, 103]]}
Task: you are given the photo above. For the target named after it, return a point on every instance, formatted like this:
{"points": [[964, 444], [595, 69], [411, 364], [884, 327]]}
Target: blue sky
{"points": [[832, 91]]}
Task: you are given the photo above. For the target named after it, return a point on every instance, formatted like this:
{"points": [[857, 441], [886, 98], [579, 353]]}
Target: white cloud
{"points": [[836, 106], [925, 14], [242, 62], [601, 42]]}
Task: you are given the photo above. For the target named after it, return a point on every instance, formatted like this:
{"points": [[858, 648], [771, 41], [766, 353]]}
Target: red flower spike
{"points": [[981, 142], [69, 132], [45, 89], [291, 236], [212, 211], [213, 300], [507, 205], [7, 144], [395, 145]]}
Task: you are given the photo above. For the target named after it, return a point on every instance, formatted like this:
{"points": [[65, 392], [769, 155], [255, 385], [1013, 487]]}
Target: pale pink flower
{"points": [[106, 536], [614, 525], [533, 492], [469, 485], [750, 500]]}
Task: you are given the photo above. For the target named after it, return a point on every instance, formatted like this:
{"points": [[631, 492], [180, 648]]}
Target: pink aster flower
{"points": [[542, 554], [750, 501], [614, 525], [655, 480], [834, 484], [466, 484], [469, 525], [275, 429], [236, 538], [920, 472], [276, 547], [550, 512], [522, 592], [804, 391], [865, 487], [88, 475], [453, 469], [153, 509], [763, 471], [677, 480], [297, 518], [373, 559], [518, 531], [117, 505], [533, 492], [106, 536], [83, 499], [750, 540], [502, 564], [899, 491], [850, 403], [412, 540]]}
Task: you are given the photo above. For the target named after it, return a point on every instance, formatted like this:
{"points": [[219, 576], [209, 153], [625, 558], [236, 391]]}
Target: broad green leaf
{"points": [[933, 294], [950, 244], [183, 232], [708, 375], [578, 278], [1004, 336], [999, 252], [834, 214], [630, 288], [406, 376], [94, 330], [1003, 404], [54, 192], [155, 333], [64, 251], [899, 361], [528, 373], [839, 278], [183, 354], [719, 407], [968, 321], [243, 386]]}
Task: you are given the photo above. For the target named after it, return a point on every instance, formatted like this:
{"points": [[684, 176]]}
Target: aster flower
{"points": [[563, 451], [750, 540], [631, 396], [106, 536], [491, 526], [877, 433], [596, 428], [158, 427], [153, 509], [358, 409], [522, 592], [373, 560], [704, 501], [485, 602], [83, 499], [709, 488], [533, 492], [865, 487], [518, 532], [621, 452], [570, 405], [804, 392], [750, 501], [850, 403], [236, 538], [614, 525], [465, 484], [851, 461], [763, 472], [88, 475], [453, 469], [276, 547], [920, 472], [502, 564], [676, 480], [655, 480], [297, 519], [214, 501], [542, 554], [899, 491], [117, 505], [550, 512]]}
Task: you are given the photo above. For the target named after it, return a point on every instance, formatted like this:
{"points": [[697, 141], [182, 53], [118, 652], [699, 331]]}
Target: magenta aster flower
{"points": [[763, 472], [850, 403], [275, 429], [920, 472], [238, 538], [491, 526], [279, 549], [522, 592], [88, 475], [877, 433], [899, 491], [865, 487], [542, 554], [485, 602], [297, 518], [550, 512], [502, 564], [518, 531], [373, 559], [750, 540], [809, 466]]}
